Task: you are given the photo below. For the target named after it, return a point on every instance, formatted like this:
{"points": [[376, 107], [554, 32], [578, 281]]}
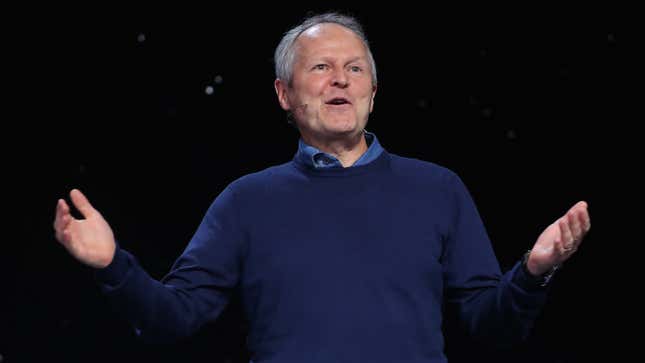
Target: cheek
{"points": [[312, 86], [366, 103]]}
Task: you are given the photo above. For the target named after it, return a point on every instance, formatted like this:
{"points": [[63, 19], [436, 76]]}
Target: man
{"points": [[346, 253]]}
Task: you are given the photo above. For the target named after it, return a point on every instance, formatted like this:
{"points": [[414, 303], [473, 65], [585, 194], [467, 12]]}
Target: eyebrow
{"points": [[359, 58], [351, 60]]}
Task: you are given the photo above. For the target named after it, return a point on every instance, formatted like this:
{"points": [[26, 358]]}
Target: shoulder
{"points": [[253, 187], [423, 171], [264, 180]]}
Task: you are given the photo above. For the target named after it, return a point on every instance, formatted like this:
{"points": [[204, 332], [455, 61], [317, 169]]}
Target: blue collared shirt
{"points": [[318, 159]]}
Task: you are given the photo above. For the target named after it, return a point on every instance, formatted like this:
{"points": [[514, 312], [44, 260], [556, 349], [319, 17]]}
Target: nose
{"points": [[340, 79]]}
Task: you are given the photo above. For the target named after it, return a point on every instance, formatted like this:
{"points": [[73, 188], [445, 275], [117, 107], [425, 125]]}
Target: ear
{"points": [[281, 91], [372, 98]]}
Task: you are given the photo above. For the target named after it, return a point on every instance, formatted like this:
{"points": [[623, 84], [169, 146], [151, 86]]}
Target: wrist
{"points": [[536, 274]]}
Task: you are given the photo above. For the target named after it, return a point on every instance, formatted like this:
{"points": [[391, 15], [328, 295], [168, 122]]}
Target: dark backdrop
{"points": [[152, 112]]}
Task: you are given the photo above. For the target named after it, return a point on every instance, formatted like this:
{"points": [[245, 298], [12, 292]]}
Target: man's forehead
{"points": [[326, 29], [326, 37]]}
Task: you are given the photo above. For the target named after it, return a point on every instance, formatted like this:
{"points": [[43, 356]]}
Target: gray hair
{"points": [[285, 53]]}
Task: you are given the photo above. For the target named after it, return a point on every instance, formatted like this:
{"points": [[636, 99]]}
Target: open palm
{"points": [[89, 240], [560, 240]]}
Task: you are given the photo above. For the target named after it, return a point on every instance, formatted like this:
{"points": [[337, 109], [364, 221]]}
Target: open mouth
{"points": [[338, 101]]}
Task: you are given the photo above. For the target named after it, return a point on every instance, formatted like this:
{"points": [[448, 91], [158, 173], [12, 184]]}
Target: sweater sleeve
{"points": [[489, 306], [194, 292]]}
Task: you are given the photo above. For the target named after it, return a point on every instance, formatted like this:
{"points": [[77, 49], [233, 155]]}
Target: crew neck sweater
{"points": [[335, 265]]}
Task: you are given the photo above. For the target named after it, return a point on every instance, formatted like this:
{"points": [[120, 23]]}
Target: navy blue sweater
{"points": [[335, 265]]}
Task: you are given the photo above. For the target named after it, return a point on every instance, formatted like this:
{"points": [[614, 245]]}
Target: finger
{"points": [[565, 234], [578, 206], [60, 237], [582, 219], [62, 211], [64, 237], [63, 222], [63, 230], [558, 246], [81, 203], [585, 221], [565, 252], [574, 225]]}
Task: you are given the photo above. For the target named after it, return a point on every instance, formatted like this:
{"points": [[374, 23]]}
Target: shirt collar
{"points": [[312, 156]]}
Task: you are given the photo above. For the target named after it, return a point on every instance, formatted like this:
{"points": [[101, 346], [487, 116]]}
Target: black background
{"points": [[529, 107]]}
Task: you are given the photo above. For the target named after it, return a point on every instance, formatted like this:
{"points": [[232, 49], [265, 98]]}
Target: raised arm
{"points": [[194, 292]]}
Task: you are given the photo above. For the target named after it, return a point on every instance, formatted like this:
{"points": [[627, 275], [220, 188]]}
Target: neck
{"points": [[346, 150]]}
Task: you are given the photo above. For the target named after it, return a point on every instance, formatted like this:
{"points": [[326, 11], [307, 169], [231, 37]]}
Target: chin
{"points": [[342, 123], [343, 128]]}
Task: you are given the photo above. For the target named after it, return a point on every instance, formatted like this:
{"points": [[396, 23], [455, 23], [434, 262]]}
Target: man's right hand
{"points": [[89, 240]]}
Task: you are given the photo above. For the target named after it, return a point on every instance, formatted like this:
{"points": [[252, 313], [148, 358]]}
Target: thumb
{"points": [[81, 203]]}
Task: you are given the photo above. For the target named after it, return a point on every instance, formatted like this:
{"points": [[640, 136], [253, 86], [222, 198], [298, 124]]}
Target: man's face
{"points": [[331, 94]]}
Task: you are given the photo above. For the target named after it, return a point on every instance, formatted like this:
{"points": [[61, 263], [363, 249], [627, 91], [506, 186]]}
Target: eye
{"points": [[320, 67], [356, 69]]}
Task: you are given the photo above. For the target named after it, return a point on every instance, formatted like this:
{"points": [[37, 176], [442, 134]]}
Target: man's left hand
{"points": [[560, 240]]}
